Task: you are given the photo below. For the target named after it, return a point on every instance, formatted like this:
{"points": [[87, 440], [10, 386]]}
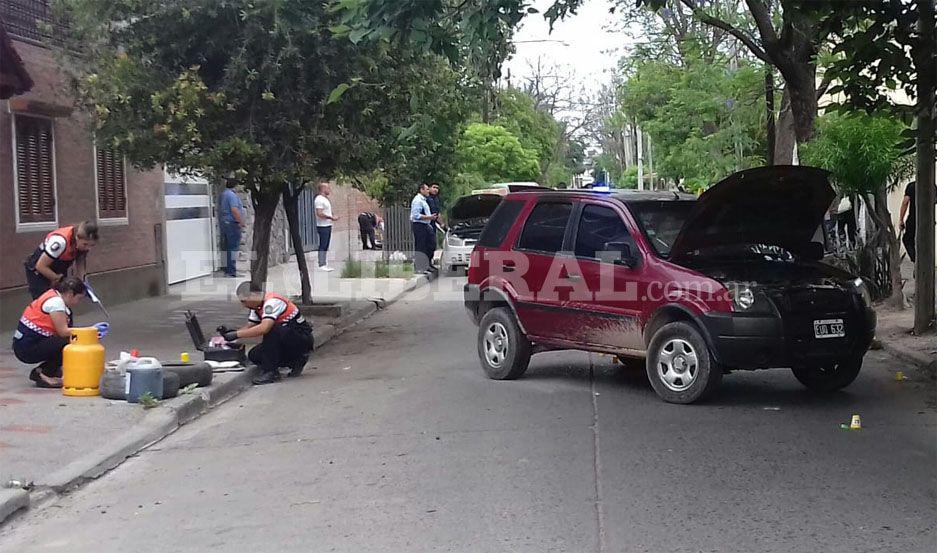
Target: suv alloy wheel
{"points": [[679, 365], [503, 349]]}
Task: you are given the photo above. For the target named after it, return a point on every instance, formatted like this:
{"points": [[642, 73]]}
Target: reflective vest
{"points": [[270, 309], [60, 261], [37, 320]]}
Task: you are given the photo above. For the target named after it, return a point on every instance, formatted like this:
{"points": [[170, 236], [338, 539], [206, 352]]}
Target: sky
{"points": [[582, 45]]}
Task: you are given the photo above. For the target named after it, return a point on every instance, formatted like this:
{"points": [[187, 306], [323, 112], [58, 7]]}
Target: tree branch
{"points": [[740, 35], [762, 16]]}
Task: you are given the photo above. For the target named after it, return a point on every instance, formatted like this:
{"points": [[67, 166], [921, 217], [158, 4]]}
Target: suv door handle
{"points": [[573, 277], [508, 267]]}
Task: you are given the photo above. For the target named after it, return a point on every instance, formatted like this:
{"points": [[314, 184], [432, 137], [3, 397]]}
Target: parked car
{"points": [[467, 218], [697, 287]]}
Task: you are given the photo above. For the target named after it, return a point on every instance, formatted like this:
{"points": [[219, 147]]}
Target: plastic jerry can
{"points": [[144, 375], [82, 363]]}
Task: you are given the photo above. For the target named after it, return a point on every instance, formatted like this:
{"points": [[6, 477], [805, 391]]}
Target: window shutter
{"points": [[112, 184], [35, 178]]}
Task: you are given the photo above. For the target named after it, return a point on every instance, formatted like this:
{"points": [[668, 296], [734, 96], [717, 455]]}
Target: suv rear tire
{"points": [[503, 349], [830, 377], [679, 365]]}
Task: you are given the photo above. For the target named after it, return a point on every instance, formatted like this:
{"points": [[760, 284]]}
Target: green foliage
{"points": [[705, 120], [536, 130], [148, 401], [861, 151], [379, 269], [496, 155]]}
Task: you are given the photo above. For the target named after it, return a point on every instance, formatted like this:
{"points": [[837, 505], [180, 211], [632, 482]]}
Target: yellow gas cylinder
{"points": [[82, 363]]}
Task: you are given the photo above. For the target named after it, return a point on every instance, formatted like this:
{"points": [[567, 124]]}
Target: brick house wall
{"points": [[128, 261]]}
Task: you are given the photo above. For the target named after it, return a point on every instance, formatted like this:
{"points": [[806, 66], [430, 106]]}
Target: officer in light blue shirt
{"points": [[421, 219], [231, 221]]}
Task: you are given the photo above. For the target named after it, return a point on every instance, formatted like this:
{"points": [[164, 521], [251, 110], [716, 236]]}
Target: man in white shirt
{"points": [[421, 219], [324, 220]]}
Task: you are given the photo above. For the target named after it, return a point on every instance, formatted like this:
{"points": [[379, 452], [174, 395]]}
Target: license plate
{"points": [[829, 328]]}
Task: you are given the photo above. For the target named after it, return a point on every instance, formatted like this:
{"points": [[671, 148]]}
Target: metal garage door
{"points": [[190, 244]]}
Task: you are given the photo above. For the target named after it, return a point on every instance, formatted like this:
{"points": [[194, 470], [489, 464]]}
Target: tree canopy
{"points": [[496, 155]]}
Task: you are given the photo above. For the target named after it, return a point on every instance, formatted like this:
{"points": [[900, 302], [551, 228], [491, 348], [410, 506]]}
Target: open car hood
{"points": [[777, 206], [476, 207]]}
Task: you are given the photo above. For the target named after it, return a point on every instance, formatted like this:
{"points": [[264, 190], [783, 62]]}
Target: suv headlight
{"points": [[742, 296], [863, 292], [454, 240]]}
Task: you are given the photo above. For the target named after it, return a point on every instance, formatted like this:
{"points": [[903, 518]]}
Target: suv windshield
{"points": [[661, 221]]}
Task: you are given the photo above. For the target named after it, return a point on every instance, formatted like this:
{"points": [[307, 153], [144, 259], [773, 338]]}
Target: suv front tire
{"points": [[503, 349], [830, 377], [679, 364]]}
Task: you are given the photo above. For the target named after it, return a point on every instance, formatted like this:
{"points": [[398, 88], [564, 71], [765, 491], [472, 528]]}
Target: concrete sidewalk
{"points": [[50, 443]]}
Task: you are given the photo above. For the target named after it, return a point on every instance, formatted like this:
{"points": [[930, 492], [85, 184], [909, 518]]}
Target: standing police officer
{"points": [[50, 262], [287, 337]]}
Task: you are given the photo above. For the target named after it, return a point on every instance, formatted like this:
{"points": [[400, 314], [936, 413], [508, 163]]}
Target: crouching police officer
{"points": [[287, 337], [51, 260], [44, 331]]}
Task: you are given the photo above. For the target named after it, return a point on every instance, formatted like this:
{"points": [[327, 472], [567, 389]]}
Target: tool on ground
{"points": [[82, 363], [95, 299], [234, 352]]}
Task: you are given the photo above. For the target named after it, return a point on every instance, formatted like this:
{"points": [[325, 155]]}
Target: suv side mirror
{"points": [[628, 257]]}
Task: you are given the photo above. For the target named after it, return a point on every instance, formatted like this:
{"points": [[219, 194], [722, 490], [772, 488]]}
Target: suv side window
{"points": [[500, 222], [599, 225], [545, 227]]}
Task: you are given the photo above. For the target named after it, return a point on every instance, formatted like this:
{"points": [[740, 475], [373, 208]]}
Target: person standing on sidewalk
{"points": [[231, 221], [50, 262], [421, 221], [287, 337], [324, 220], [434, 207], [44, 330]]}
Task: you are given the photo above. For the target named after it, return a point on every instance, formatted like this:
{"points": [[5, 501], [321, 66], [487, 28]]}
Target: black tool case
{"points": [[235, 352]]}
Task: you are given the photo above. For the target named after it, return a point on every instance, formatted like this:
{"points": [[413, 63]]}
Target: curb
{"points": [[159, 423], [922, 362]]}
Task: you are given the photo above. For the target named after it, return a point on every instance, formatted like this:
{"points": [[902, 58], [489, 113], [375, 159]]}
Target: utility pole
{"points": [[640, 159], [650, 163]]}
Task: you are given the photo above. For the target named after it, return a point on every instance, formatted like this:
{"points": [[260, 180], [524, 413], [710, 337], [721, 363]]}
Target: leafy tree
{"points": [[705, 120], [237, 87], [494, 154], [879, 47], [865, 157], [535, 129]]}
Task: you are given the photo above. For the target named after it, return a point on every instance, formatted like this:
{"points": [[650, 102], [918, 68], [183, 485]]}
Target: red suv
{"points": [[696, 286]]}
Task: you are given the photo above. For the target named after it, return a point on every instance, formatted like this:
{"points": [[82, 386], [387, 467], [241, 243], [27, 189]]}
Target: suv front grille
{"points": [[815, 301]]}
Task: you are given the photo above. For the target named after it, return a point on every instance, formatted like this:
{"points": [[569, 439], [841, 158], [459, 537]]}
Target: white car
{"points": [[467, 218]]}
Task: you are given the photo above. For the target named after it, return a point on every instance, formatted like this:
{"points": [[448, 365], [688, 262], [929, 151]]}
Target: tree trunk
{"points": [[291, 206], [802, 89], [784, 134], [882, 218], [924, 191], [769, 114], [265, 206]]}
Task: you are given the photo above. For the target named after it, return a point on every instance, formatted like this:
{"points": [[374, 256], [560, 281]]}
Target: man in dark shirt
{"points": [[434, 207], [366, 223], [909, 225]]}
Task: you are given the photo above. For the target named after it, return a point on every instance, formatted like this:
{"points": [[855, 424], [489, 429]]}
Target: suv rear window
{"points": [[500, 223], [545, 227]]}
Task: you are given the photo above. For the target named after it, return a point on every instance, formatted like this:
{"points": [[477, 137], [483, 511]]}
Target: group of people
{"points": [[45, 327], [424, 222]]}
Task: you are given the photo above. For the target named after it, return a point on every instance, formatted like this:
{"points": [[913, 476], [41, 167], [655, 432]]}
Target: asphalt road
{"points": [[399, 443]]}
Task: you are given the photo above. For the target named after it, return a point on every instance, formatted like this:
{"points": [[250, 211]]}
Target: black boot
{"points": [[297, 366], [267, 377]]}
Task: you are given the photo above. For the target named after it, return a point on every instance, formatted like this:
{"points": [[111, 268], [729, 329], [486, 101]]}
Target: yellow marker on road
{"points": [[184, 357], [899, 376], [856, 423]]}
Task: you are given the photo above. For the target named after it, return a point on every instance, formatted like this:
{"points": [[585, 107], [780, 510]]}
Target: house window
{"points": [[111, 184], [35, 170]]}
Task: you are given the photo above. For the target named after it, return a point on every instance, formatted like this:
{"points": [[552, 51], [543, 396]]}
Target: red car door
{"points": [[542, 306], [613, 271]]}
